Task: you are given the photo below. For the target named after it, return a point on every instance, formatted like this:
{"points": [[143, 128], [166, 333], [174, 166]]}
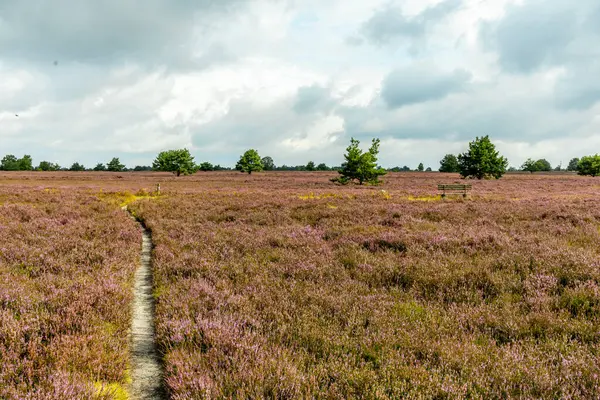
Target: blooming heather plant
{"points": [[66, 267], [334, 292], [286, 286]]}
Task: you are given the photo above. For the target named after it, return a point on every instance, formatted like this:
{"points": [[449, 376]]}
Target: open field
{"points": [[283, 285]]}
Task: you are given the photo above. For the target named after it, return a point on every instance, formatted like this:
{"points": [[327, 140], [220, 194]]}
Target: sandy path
{"points": [[146, 369]]}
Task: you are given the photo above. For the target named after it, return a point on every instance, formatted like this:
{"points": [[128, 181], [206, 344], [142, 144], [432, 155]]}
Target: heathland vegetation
{"points": [[285, 285], [267, 289]]}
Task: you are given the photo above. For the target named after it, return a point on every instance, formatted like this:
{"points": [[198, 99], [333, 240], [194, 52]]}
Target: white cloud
{"points": [[296, 79]]}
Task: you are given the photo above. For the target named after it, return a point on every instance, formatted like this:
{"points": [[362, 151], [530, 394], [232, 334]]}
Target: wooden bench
{"points": [[455, 188]]}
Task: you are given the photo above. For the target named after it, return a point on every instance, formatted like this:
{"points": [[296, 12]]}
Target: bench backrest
{"points": [[454, 187]]}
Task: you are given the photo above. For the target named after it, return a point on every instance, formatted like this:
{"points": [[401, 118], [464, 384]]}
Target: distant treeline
{"points": [[449, 163]]}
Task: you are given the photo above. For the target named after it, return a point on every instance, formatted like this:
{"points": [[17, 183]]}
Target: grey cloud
{"points": [[417, 84], [389, 23], [540, 33], [312, 99], [509, 117], [579, 88], [100, 32]]}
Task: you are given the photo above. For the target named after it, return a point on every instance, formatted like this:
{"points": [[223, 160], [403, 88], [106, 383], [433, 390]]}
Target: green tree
{"points": [[268, 164], [428, 169], [9, 163], [543, 165], [322, 167], [48, 166], [249, 162], [573, 164], [449, 163], [77, 167], [141, 168], [115, 165], [589, 165], [420, 168], [206, 166], [482, 160], [311, 166], [25, 163], [100, 167], [529, 165], [176, 161], [361, 166]]}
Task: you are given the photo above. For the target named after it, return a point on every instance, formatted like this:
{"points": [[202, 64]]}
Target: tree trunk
{"points": [[178, 173]]}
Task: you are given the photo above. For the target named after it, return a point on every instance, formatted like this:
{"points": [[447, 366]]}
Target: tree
{"points": [[573, 164], [48, 166], [25, 163], [249, 162], [449, 163], [543, 165], [140, 168], [310, 166], [77, 167], [9, 163], [406, 168], [322, 167], [428, 169], [359, 165], [268, 164], [176, 161], [529, 165], [115, 165], [589, 165], [420, 168], [12, 163], [206, 166], [100, 167], [482, 160]]}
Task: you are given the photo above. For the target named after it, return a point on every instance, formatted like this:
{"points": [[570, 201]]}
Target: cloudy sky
{"points": [[295, 79]]}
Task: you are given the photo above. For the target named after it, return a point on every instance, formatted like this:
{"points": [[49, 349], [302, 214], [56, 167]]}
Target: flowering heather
{"points": [[66, 266], [286, 286], [283, 285]]}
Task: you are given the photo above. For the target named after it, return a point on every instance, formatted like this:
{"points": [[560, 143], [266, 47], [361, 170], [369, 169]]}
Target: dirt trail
{"points": [[146, 368]]}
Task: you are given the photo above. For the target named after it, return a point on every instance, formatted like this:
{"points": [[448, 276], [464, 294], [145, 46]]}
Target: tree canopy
{"points": [[176, 161], [12, 163], [482, 161], [449, 163], [361, 166], [268, 164], [573, 164], [206, 167], [48, 166], [77, 167], [115, 165], [249, 162], [535, 166], [589, 165]]}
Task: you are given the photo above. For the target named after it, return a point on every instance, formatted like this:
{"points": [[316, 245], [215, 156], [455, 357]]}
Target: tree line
{"points": [[481, 161]]}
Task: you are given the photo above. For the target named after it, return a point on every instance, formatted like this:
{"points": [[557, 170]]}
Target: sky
{"points": [[296, 79]]}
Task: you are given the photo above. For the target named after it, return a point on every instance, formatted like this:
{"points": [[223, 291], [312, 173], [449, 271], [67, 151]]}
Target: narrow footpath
{"points": [[146, 368]]}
